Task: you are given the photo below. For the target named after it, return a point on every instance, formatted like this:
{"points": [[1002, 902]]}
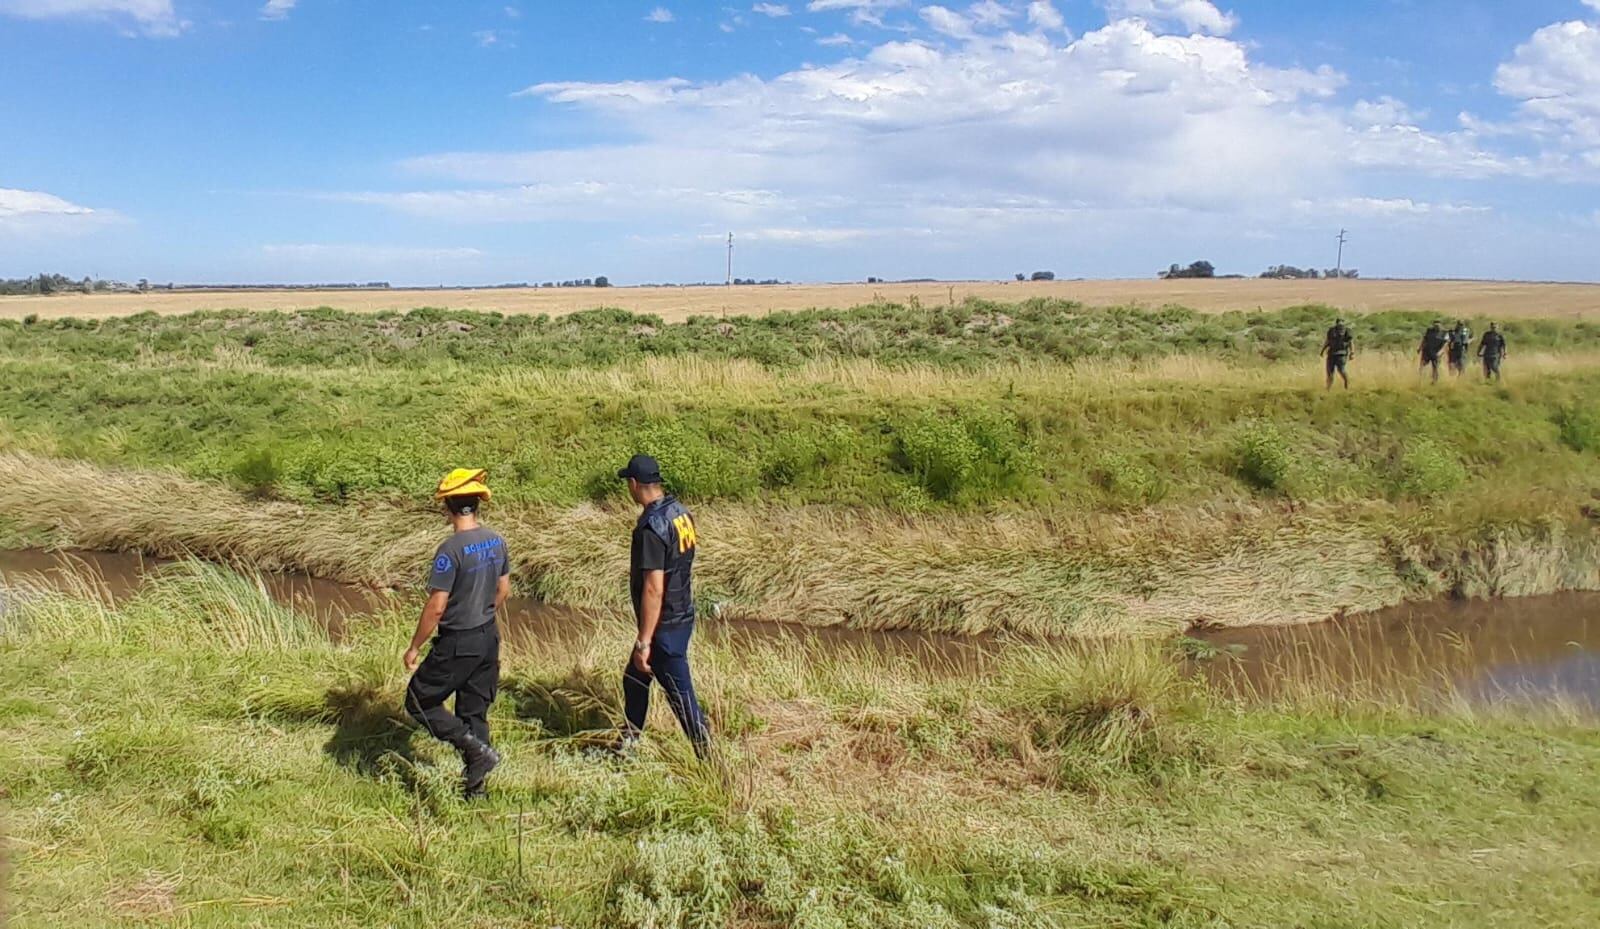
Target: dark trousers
{"points": [[669, 663], [464, 665], [1491, 367], [1431, 361]]}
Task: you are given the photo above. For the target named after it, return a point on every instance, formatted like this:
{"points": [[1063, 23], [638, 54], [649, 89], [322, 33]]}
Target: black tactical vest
{"points": [[673, 524]]}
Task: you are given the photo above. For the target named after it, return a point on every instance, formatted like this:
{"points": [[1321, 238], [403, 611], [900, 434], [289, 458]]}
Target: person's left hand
{"points": [[410, 659]]}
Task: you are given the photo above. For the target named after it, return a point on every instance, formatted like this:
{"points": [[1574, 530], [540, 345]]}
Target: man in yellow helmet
{"points": [[469, 581]]}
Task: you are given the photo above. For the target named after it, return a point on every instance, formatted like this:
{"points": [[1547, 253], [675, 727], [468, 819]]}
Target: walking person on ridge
{"points": [[1433, 343], [1460, 341], [1492, 348], [1339, 346], [468, 584], [661, 563]]}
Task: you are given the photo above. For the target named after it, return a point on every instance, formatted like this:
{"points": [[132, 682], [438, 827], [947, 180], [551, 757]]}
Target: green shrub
{"points": [[1264, 457], [1426, 469], [1128, 481], [258, 472], [693, 465], [963, 456], [1579, 428]]}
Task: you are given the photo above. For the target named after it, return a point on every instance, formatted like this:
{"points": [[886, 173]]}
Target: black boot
{"points": [[477, 759]]}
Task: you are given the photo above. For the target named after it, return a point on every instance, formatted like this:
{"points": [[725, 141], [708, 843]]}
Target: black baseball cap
{"points": [[643, 469]]}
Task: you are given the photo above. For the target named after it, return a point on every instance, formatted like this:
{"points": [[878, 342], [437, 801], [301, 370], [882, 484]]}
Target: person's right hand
{"points": [[411, 659], [641, 659]]}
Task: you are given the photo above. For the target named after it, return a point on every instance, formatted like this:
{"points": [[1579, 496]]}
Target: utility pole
{"points": [[1338, 267], [730, 259]]}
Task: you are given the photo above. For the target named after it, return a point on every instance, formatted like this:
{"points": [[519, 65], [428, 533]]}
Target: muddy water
{"points": [[1534, 648]]}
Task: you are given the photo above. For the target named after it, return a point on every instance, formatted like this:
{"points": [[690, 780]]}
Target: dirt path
{"points": [[1450, 298]]}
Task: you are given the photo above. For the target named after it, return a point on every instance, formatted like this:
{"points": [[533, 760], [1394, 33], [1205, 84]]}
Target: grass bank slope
{"points": [[1202, 483], [202, 756], [1501, 299]]}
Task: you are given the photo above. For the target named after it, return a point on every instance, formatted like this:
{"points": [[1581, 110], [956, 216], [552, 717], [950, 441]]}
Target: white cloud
{"points": [[1194, 15], [773, 10], [488, 38], [143, 17], [277, 9], [365, 254], [838, 38], [31, 213], [1385, 208], [18, 204], [862, 12], [1043, 14], [989, 13], [989, 137], [946, 21], [659, 15], [1555, 78]]}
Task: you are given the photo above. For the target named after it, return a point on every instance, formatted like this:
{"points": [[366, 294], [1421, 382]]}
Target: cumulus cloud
{"points": [[659, 15], [1043, 14], [137, 17], [987, 129], [277, 9], [773, 10], [1194, 15], [1555, 79]]}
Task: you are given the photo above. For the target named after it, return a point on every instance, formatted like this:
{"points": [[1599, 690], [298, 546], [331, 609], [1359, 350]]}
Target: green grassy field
{"points": [[200, 757], [1039, 466]]}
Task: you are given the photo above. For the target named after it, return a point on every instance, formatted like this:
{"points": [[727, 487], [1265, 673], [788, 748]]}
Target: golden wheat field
{"points": [[1465, 298]]}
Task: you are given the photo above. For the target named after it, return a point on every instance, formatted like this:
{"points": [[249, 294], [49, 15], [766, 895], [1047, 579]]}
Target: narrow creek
{"points": [[1537, 649]]}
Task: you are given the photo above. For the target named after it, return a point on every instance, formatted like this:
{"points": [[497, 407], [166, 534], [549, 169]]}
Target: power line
{"points": [[730, 259], [1338, 267]]}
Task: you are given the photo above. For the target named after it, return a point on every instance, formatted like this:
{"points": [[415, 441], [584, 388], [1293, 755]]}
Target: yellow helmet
{"points": [[463, 482]]}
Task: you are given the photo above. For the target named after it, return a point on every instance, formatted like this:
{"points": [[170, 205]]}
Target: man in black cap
{"points": [[1338, 347], [659, 578]]}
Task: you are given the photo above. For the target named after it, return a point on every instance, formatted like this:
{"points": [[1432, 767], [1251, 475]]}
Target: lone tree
{"points": [[602, 281]]}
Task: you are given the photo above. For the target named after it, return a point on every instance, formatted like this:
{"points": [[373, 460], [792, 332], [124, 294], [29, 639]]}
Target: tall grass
{"points": [[272, 780]]}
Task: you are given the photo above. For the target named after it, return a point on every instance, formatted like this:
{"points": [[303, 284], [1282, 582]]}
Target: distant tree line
{"points": [[56, 284], [1292, 273], [601, 281], [769, 281], [1037, 276]]}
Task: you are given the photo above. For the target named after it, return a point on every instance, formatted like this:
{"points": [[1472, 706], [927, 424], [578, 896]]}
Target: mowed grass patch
{"points": [[157, 771]]}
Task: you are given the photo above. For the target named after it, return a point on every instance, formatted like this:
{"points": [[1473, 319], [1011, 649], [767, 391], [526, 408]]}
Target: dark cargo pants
{"points": [[669, 664], [465, 665]]}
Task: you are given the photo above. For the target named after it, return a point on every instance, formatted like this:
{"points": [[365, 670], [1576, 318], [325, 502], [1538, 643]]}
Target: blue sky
{"points": [[467, 142]]}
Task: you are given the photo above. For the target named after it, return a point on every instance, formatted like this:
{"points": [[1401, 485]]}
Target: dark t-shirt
{"points": [[469, 565], [1494, 345], [1339, 341], [648, 553]]}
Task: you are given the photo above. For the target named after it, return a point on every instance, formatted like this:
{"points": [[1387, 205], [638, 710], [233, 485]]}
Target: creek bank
{"points": [[1033, 572]]}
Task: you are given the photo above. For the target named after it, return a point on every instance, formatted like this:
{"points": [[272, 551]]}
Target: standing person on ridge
{"points": [[1492, 348], [660, 581], [467, 587], [1433, 343], [1339, 345], [1460, 341]]}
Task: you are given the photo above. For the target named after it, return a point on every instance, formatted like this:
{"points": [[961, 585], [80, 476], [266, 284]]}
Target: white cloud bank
{"points": [[997, 125], [277, 9], [140, 17]]}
